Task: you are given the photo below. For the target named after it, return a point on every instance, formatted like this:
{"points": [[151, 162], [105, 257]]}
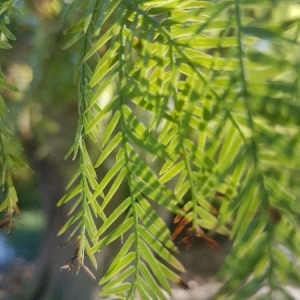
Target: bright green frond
{"points": [[193, 107]]}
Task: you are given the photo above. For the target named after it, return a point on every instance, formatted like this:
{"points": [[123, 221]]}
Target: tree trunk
{"points": [[47, 281]]}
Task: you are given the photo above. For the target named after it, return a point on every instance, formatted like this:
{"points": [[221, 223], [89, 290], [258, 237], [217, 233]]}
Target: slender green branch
{"points": [[253, 145], [122, 86], [82, 110], [245, 92]]}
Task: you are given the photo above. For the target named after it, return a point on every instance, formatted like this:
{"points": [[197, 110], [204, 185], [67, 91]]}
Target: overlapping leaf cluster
{"points": [[266, 227], [202, 90]]}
